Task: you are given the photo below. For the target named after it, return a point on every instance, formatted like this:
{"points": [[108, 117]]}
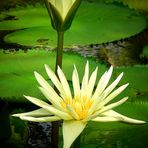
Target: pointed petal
{"points": [[101, 86], [103, 83], [44, 83], [52, 97], [113, 105], [91, 83], [113, 85], [54, 79], [85, 79], [122, 118], [35, 113], [105, 119], [41, 80], [98, 103], [71, 130], [41, 119], [100, 110], [113, 94], [51, 109], [36, 101], [99, 89], [64, 83], [76, 83]]}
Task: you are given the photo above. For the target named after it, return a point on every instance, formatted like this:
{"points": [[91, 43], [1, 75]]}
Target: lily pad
{"points": [[94, 23], [136, 76], [145, 52], [16, 71], [16, 74]]}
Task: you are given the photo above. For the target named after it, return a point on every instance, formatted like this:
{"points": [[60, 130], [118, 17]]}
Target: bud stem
{"points": [[55, 125]]}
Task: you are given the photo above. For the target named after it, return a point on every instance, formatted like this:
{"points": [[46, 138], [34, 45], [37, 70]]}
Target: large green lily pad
{"points": [[16, 71], [94, 23], [145, 52], [136, 76], [17, 78], [141, 5]]}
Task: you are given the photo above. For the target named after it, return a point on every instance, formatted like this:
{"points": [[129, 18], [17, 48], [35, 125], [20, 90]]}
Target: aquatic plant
{"points": [[86, 104]]}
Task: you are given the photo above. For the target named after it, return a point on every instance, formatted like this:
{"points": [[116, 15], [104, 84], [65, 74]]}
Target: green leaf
{"points": [[89, 25], [16, 72]]}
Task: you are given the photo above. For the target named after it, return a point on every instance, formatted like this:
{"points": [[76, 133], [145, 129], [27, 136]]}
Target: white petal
{"points": [[85, 79], [54, 79], [35, 113], [36, 101], [53, 98], [64, 83], [41, 119], [112, 86], [109, 73], [71, 130], [99, 89], [103, 83], [44, 83], [100, 110], [105, 119], [113, 105], [101, 86], [91, 83], [122, 118], [51, 109], [113, 94], [76, 83]]}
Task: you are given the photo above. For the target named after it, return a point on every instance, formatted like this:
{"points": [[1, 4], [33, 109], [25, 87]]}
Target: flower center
{"points": [[78, 107]]}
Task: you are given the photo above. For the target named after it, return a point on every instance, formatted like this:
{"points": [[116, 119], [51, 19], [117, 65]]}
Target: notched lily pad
{"points": [[94, 23], [16, 72]]}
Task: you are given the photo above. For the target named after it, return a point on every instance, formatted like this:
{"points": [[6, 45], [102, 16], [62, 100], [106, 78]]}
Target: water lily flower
{"points": [[62, 12], [86, 103]]}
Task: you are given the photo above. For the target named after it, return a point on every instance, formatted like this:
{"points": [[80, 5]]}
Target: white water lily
{"points": [[86, 104], [62, 13]]}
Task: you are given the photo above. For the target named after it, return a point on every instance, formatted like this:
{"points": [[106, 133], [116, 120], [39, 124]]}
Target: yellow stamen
{"points": [[77, 108]]}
